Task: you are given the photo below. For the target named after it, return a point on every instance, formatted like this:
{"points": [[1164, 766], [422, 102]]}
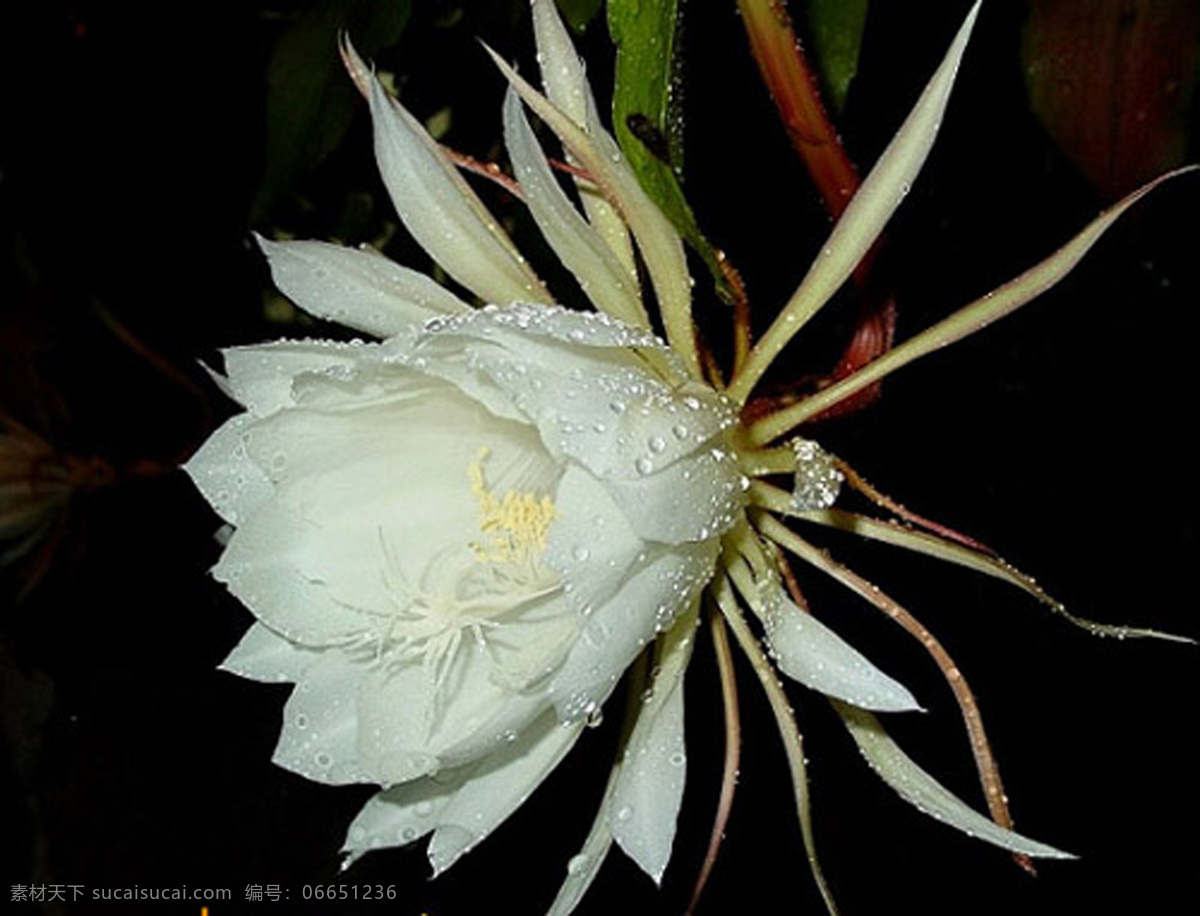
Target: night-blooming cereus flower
{"points": [[458, 538], [456, 541]]}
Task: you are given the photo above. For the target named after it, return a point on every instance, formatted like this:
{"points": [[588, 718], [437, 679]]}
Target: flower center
{"points": [[516, 525], [469, 588]]}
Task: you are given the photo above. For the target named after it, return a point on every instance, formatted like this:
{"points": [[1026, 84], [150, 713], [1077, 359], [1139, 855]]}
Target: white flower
{"points": [[457, 539]]}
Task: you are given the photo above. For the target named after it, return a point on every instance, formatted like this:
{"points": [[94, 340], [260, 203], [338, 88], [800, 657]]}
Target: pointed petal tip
{"points": [[358, 70], [449, 844], [499, 61], [926, 794], [809, 652]]}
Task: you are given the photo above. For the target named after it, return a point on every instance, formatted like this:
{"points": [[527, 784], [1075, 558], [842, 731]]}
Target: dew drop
{"points": [[596, 633]]}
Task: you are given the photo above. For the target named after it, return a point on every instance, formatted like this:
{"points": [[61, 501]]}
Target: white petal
{"points": [[659, 243], [384, 490], [591, 545], [583, 867], [888, 182], [512, 717], [694, 499], [441, 211], [807, 650], [649, 791], [262, 567], [498, 787], [410, 725], [320, 724], [453, 364], [398, 816], [566, 85], [577, 244], [264, 655], [563, 73], [925, 793], [536, 322], [395, 712], [534, 641], [261, 376], [648, 602], [359, 289], [593, 400], [222, 470]]}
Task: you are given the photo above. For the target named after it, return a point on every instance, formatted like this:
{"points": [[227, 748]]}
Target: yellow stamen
{"points": [[517, 523]]}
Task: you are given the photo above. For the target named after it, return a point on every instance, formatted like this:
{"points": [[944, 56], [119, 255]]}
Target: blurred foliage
{"points": [[310, 103], [580, 13], [647, 115], [1112, 82], [835, 30]]}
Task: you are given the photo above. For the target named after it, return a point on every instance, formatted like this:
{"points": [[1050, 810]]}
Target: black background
{"points": [[133, 145]]}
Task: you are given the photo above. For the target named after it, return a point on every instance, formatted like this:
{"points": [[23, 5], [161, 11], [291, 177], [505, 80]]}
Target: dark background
{"points": [[132, 153]]}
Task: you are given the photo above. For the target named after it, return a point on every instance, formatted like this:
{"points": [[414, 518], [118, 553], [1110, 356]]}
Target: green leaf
{"points": [[835, 29], [310, 101], [579, 13], [646, 119]]}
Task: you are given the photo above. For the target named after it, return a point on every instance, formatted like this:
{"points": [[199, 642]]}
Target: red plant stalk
{"points": [[795, 91]]}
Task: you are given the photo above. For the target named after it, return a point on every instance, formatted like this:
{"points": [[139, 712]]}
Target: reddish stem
{"points": [[793, 87], [795, 91]]}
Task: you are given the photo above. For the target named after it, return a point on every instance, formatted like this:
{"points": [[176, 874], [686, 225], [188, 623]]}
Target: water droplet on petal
{"points": [[818, 480]]}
